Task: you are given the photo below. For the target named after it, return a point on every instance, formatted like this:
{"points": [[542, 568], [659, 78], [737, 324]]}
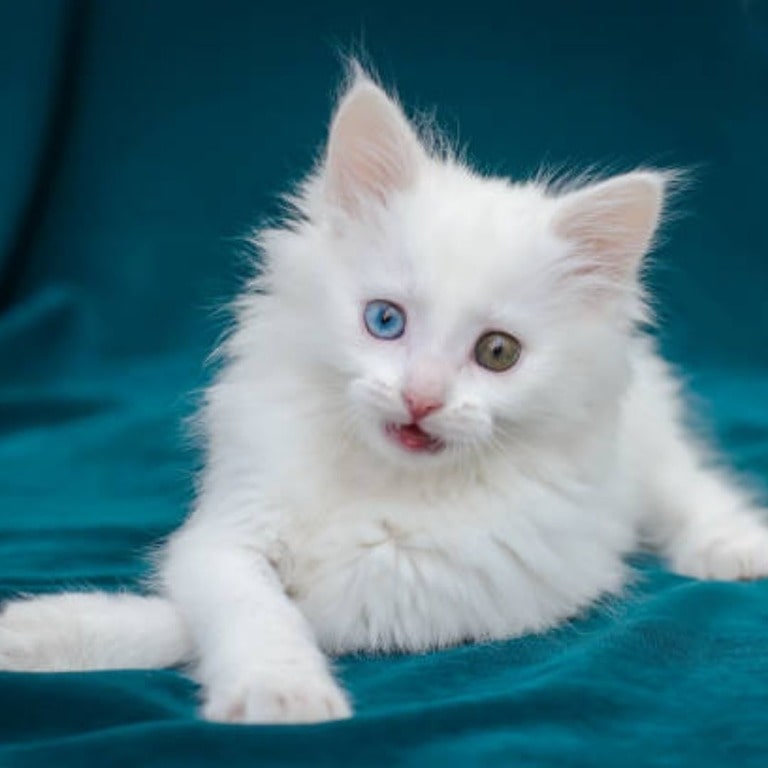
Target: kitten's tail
{"points": [[91, 630]]}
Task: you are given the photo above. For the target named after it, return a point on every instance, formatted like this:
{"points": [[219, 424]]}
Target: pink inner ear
{"points": [[372, 150], [612, 223]]}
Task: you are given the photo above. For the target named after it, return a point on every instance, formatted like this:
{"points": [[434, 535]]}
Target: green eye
{"points": [[497, 351]]}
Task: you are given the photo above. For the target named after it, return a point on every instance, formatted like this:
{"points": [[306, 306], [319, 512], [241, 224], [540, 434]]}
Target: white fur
{"points": [[92, 630], [314, 530]]}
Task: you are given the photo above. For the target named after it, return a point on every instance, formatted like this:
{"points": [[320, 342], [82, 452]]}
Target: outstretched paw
{"points": [[278, 696], [725, 555]]}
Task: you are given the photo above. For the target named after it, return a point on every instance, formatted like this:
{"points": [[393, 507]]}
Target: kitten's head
{"points": [[456, 314]]}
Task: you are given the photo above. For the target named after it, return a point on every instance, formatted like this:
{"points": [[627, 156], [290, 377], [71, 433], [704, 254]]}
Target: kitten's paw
{"points": [[726, 555], [276, 696]]}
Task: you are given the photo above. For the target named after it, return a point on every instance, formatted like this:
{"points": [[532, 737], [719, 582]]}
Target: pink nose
{"points": [[420, 406]]}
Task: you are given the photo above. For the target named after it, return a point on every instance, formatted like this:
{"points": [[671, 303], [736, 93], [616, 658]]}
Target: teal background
{"points": [[140, 140]]}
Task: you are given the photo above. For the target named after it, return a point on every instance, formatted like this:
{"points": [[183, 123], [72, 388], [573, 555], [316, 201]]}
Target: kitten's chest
{"points": [[382, 584], [383, 577]]}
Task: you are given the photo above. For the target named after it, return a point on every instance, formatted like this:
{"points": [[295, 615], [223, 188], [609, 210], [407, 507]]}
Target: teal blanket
{"points": [[140, 140]]}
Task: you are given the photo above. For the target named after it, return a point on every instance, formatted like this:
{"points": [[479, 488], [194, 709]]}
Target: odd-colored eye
{"points": [[497, 351], [384, 319]]}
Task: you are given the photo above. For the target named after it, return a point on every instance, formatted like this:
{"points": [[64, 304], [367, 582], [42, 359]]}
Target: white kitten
{"points": [[437, 423]]}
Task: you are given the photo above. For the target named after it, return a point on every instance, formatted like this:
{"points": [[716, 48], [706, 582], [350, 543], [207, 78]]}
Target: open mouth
{"points": [[413, 438]]}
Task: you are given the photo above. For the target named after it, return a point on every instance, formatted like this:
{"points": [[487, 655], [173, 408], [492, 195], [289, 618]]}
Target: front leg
{"points": [[696, 515], [258, 661], [706, 526]]}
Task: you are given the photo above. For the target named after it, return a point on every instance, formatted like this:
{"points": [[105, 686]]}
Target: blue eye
{"points": [[384, 320]]}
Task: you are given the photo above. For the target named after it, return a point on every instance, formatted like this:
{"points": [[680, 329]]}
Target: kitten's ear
{"points": [[611, 224], [372, 149]]}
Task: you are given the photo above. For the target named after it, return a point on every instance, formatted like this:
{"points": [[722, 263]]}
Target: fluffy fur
{"points": [[315, 529]]}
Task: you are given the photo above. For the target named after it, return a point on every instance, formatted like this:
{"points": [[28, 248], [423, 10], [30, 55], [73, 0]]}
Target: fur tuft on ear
{"points": [[372, 149], [611, 224]]}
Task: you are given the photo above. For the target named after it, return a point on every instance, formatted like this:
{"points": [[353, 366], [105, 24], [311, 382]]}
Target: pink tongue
{"points": [[413, 436]]}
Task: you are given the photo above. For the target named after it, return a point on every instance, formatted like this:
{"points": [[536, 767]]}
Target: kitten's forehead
{"points": [[462, 240]]}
